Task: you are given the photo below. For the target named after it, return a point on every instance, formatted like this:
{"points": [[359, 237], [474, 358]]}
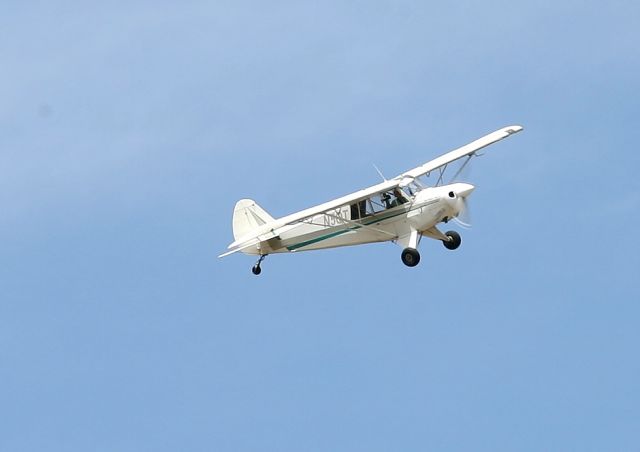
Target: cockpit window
{"points": [[379, 203]]}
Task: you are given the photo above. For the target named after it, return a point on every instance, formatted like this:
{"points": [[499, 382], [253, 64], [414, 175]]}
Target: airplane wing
{"points": [[465, 151], [339, 202]]}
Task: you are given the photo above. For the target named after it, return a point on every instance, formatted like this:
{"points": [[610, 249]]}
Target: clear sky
{"points": [[128, 130]]}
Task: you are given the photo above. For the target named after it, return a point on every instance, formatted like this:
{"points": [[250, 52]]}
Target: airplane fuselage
{"points": [[424, 210]]}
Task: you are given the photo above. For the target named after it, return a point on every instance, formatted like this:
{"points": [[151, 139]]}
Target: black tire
{"points": [[410, 257], [455, 241], [256, 270]]}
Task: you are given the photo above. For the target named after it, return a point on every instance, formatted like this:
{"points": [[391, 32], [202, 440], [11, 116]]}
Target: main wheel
{"points": [[256, 270], [454, 241], [410, 257]]}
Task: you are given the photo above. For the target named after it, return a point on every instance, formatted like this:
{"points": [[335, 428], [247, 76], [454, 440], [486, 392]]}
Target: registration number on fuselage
{"points": [[336, 217]]}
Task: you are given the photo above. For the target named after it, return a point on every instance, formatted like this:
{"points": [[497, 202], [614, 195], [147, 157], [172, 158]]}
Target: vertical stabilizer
{"points": [[247, 216]]}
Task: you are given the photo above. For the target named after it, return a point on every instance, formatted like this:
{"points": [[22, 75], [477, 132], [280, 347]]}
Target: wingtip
{"points": [[513, 129]]}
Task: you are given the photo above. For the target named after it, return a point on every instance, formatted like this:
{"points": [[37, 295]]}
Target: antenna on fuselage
{"points": [[379, 172]]}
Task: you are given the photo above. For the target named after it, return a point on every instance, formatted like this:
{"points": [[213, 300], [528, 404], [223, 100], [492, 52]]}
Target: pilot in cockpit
{"points": [[400, 198], [386, 199]]}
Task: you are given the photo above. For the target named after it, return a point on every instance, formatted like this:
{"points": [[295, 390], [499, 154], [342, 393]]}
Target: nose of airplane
{"points": [[464, 190]]}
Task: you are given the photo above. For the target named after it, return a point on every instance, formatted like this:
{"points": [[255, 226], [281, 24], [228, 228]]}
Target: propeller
{"points": [[461, 175], [464, 215]]}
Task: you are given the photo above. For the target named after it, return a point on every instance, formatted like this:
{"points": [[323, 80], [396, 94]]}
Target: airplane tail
{"points": [[247, 216]]}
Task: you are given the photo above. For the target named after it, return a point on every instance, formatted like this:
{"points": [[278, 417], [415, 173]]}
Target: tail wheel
{"points": [[256, 270], [454, 240], [410, 257]]}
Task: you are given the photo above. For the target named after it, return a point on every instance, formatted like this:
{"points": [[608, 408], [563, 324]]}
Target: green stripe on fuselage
{"points": [[342, 231]]}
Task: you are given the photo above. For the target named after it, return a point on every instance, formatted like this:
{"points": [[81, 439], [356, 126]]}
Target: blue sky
{"points": [[129, 130]]}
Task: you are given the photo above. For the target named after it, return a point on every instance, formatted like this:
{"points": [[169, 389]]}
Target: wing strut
{"points": [[462, 167]]}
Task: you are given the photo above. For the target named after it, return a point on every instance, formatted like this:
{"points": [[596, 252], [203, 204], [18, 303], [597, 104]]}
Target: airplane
{"points": [[402, 210]]}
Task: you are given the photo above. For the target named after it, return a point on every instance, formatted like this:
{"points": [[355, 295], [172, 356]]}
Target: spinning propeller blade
{"points": [[464, 216]]}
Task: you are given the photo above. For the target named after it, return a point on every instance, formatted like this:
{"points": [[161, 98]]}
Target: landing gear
{"points": [[410, 257], [256, 270], [454, 240]]}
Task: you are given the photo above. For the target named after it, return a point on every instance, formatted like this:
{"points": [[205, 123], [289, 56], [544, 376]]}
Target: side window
{"points": [[359, 210], [377, 203]]}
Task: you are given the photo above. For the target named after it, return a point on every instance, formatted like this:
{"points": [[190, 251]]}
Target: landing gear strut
{"points": [[256, 270], [454, 240], [410, 257]]}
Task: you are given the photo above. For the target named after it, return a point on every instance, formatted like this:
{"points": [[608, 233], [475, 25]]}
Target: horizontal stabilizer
{"points": [[245, 246]]}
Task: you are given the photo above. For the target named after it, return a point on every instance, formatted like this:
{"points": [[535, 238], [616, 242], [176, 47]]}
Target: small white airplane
{"points": [[401, 210]]}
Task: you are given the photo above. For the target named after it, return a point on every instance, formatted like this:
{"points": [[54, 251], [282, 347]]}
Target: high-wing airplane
{"points": [[402, 210]]}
